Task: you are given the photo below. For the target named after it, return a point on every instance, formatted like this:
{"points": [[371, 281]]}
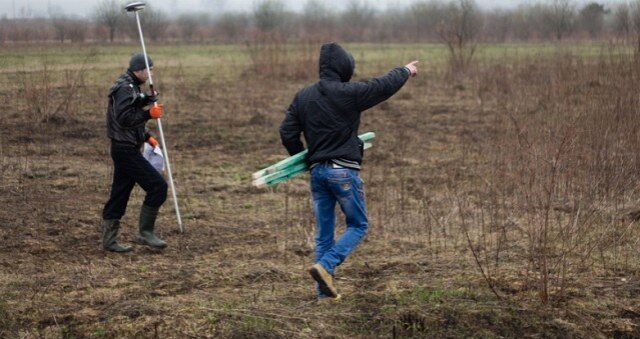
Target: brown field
{"points": [[501, 201]]}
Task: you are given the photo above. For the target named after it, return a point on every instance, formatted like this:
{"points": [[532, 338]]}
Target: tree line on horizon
{"points": [[422, 21]]}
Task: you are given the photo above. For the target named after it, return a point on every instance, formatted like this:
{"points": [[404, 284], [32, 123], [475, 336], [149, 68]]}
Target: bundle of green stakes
{"points": [[292, 166]]}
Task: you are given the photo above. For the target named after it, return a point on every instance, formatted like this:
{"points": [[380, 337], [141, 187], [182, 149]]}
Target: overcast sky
{"points": [[23, 8]]}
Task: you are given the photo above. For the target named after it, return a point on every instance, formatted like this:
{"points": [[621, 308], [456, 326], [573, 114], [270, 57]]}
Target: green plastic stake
{"points": [[292, 166]]}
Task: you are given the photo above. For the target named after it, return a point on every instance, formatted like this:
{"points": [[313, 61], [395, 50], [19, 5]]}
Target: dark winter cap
{"points": [[137, 62]]}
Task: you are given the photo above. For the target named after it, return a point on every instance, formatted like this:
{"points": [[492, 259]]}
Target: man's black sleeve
{"points": [[377, 90], [128, 112], [290, 130]]}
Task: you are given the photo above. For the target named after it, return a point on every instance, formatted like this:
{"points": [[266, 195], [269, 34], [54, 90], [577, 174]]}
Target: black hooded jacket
{"points": [[126, 116], [328, 112]]}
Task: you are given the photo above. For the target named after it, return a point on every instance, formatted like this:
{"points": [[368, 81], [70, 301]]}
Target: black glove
{"points": [[147, 98]]}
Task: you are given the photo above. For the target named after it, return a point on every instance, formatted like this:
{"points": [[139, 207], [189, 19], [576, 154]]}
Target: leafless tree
{"points": [[522, 29], [622, 20], [60, 24], [317, 18], [357, 19], [154, 21], [425, 17], [635, 21], [4, 28], [68, 28], [391, 26], [499, 24], [77, 30], [560, 16], [232, 26], [459, 30], [269, 15], [28, 30], [592, 18], [188, 24], [422, 20], [109, 14]]}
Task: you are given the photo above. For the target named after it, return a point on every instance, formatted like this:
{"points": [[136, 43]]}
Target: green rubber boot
{"points": [[147, 224], [109, 237]]}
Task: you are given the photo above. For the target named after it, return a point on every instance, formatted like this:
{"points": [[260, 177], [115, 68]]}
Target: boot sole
{"points": [[322, 284], [329, 299], [124, 250], [144, 242]]}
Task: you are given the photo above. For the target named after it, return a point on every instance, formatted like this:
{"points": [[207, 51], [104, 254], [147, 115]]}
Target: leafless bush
{"points": [[558, 172], [188, 25], [232, 27], [52, 97], [271, 56], [27, 30], [77, 31], [67, 28]]}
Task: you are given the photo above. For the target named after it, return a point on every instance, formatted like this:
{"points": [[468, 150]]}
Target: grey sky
{"points": [[23, 8]]}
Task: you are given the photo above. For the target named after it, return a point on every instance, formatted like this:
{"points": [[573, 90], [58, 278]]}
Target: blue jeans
{"points": [[328, 186]]}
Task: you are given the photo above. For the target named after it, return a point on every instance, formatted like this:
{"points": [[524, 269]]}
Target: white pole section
{"points": [[164, 144]]}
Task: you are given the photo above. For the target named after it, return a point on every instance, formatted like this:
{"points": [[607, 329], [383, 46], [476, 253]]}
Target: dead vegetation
{"points": [[499, 207]]}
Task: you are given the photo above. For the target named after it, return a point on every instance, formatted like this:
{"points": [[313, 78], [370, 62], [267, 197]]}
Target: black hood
{"points": [[336, 63]]}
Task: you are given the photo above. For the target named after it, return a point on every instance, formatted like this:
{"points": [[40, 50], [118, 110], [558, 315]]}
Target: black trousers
{"points": [[130, 167]]}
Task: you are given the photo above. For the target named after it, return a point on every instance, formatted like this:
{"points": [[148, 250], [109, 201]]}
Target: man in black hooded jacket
{"points": [[328, 113], [128, 111]]}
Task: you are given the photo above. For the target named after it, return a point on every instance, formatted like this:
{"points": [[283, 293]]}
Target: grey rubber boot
{"points": [[109, 237], [147, 224]]}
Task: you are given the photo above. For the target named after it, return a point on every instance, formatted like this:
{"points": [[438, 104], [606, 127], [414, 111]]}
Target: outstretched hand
{"points": [[413, 69]]}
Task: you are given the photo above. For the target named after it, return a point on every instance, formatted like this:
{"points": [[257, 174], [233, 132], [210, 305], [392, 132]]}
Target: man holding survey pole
{"points": [[328, 113], [128, 111]]}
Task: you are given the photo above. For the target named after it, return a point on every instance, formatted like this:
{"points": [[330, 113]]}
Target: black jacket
{"points": [[126, 116], [328, 112]]}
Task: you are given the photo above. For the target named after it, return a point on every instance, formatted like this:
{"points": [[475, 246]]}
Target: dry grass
{"points": [[523, 172], [557, 172]]}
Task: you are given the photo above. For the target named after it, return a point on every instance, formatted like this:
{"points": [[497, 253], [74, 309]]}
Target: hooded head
{"points": [[336, 63]]}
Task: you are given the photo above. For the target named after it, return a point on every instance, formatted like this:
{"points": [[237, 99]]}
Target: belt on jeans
{"points": [[328, 163]]}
